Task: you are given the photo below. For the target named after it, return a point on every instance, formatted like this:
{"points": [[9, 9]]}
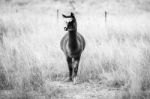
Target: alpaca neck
{"points": [[72, 40]]}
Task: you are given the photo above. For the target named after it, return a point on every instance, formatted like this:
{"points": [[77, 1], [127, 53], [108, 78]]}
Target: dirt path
{"points": [[66, 90]]}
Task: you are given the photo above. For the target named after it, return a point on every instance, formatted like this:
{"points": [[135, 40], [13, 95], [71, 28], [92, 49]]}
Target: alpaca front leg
{"points": [[69, 60], [75, 70]]}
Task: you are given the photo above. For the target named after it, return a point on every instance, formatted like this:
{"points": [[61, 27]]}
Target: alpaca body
{"points": [[76, 49]]}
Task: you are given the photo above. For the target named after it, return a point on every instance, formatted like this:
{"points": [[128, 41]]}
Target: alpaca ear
{"points": [[72, 15], [63, 16]]}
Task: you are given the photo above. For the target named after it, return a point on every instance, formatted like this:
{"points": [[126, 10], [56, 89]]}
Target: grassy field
{"points": [[117, 53]]}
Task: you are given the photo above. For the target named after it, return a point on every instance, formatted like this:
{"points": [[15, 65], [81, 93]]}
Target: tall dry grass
{"points": [[117, 52]]}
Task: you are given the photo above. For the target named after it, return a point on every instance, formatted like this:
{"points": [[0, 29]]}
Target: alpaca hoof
{"points": [[75, 80], [68, 80]]}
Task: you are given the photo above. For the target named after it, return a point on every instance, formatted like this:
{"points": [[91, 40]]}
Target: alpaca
{"points": [[72, 44]]}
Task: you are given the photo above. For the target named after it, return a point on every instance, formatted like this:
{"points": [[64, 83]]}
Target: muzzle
{"points": [[65, 28]]}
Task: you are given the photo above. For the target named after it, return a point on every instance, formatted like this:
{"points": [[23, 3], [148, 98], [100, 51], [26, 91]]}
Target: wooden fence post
{"points": [[106, 16], [57, 15]]}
